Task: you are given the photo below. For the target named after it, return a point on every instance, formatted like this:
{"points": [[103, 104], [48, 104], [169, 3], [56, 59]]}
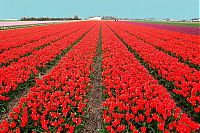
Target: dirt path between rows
{"points": [[94, 107]]}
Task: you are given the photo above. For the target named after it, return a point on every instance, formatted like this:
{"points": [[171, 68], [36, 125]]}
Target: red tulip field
{"points": [[99, 76]]}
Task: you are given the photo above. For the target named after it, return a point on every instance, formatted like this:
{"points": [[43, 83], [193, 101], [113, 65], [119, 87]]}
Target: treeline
{"points": [[48, 19]]}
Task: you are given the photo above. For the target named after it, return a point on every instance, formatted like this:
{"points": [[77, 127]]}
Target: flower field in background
{"points": [[15, 23], [182, 29], [150, 79]]}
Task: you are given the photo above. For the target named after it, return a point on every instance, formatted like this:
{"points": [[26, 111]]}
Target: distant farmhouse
{"points": [[108, 18], [184, 20], [170, 20], [102, 18], [149, 19], [94, 18], [195, 20]]}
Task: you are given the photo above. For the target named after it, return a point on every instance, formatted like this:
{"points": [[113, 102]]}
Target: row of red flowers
{"points": [[53, 35], [189, 51], [134, 100], [186, 79], [58, 100], [8, 35], [8, 41], [175, 36], [19, 72]]}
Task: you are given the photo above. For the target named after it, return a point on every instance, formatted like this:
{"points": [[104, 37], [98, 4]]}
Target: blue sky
{"points": [[178, 9]]}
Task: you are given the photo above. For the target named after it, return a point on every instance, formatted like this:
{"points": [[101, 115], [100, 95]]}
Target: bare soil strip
{"points": [[94, 107], [20, 26], [25, 88]]}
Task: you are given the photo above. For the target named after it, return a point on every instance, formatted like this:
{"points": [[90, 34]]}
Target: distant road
{"points": [[15, 23]]}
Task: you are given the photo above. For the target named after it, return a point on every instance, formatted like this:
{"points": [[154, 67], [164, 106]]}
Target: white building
{"points": [[170, 20], [196, 20], [94, 18]]}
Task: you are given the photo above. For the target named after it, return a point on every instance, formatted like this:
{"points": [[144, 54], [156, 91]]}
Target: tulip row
{"points": [[189, 51], [15, 53], [7, 35], [185, 79], [12, 35], [175, 36], [27, 68], [134, 100], [58, 101], [35, 36]]}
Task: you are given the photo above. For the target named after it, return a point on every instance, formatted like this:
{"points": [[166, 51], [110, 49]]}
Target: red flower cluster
{"points": [[175, 44], [46, 37], [186, 79], [134, 100], [57, 102], [19, 72], [170, 34], [19, 37]]}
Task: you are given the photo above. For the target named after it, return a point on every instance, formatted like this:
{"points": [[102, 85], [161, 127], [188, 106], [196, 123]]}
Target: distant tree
{"points": [[23, 19], [76, 17]]}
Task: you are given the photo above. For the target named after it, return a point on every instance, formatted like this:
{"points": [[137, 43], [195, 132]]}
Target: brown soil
{"points": [[14, 102], [94, 107]]}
